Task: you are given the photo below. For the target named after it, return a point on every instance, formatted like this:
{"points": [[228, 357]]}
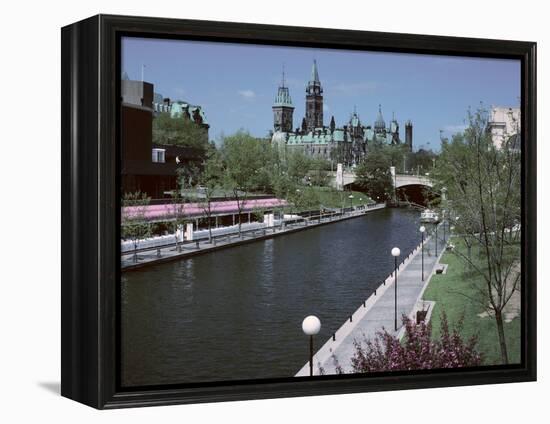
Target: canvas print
{"points": [[295, 212]]}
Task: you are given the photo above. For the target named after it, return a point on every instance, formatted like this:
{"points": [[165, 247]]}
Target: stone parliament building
{"points": [[347, 144]]}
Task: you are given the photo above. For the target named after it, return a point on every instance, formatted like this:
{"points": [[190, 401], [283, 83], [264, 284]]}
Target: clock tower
{"points": [[314, 100]]}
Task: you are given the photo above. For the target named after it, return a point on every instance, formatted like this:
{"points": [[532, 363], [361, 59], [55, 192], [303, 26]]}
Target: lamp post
{"points": [[350, 197], [454, 227], [395, 253], [436, 240], [298, 198], [422, 231], [311, 326]]}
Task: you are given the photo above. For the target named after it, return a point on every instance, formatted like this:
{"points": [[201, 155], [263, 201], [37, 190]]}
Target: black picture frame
{"points": [[90, 208]]}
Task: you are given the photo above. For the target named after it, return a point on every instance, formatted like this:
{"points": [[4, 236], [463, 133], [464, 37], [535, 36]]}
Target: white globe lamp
{"points": [[311, 325]]}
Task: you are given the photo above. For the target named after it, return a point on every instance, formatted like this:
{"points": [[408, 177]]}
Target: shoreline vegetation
{"points": [[453, 293]]}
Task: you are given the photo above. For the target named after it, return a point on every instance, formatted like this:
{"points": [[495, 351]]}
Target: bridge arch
{"points": [[419, 194], [415, 188]]}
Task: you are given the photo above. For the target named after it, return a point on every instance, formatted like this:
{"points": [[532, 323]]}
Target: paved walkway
{"points": [[170, 253], [378, 310]]}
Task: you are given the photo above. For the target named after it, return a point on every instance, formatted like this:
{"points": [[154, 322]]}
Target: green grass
{"points": [[332, 198], [449, 290]]}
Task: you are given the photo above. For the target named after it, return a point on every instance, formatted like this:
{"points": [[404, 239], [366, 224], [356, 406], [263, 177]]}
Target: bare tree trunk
{"points": [[240, 234], [209, 215], [240, 206], [501, 338]]}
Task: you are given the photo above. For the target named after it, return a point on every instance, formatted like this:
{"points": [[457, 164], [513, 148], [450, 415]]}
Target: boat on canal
{"points": [[429, 216]]}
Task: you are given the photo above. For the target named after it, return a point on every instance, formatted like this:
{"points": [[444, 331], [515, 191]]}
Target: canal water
{"points": [[236, 313]]}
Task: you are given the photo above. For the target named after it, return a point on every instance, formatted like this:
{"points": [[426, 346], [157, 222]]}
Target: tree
{"points": [[305, 198], [134, 225], [341, 153], [373, 175], [421, 161], [396, 154], [210, 180], [298, 165], [418, 351], [244, 161], [258, 214], [318, 174], [283, 188], [272, 165], [179, 131], [188, 174], [483, 183], [177, 212]]}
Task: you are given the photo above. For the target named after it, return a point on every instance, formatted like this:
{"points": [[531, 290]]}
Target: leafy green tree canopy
{"points": [[244, 159], [178, 131], [373, 174]]}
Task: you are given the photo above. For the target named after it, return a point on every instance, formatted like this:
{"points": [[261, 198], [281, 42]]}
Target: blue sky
{"points": [[236, 84]]}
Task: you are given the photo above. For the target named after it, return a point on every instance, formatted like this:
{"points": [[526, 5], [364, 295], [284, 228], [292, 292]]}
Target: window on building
{"points": [[159, 155]]}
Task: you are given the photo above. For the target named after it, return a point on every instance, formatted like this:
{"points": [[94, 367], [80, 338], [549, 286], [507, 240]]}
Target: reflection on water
{"points": [[236, 313]]}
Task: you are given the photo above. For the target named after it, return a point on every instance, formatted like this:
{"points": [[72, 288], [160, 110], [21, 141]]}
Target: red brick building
{"points": [[147, 167]]}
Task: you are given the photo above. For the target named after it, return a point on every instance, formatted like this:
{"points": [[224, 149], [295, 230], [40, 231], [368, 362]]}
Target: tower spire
{"points": [[282, 107], [314, 72], [314, 100], [380, 124]]}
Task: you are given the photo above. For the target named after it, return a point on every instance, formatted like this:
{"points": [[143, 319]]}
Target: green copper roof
{"points": [[369, 134], [283, 97], [176, 109], [338, 135], [310, 138]]}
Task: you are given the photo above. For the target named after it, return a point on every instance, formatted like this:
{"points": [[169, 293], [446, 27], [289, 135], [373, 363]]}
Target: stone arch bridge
{"points": [[348, 178], [408, 187]]}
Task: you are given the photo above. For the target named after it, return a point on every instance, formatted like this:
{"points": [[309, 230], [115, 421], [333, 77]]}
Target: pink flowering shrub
{"points": [[417, 351]]}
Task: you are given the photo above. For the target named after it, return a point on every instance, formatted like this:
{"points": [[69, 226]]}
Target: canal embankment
{"points": [[152, 256], [378, 311]]}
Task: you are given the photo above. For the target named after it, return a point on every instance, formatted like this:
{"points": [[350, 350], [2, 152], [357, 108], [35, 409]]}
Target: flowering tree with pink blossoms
{"points": [[417, 351]]}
